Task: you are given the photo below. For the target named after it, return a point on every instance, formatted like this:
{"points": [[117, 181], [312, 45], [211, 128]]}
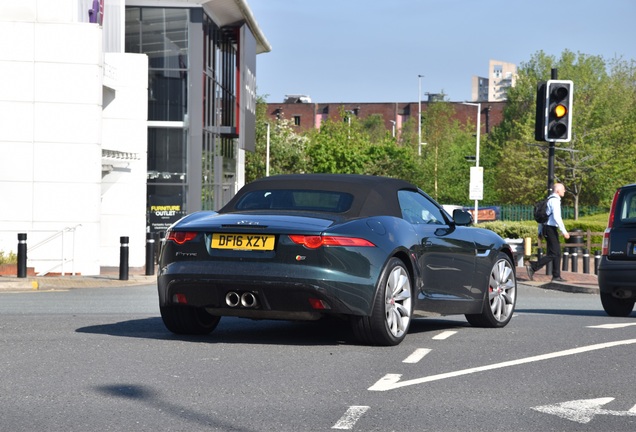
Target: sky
{"points": [[373, 50]]}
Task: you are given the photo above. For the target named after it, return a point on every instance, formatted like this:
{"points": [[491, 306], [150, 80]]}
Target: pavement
{"points": [[575, 282], [59, 282]]}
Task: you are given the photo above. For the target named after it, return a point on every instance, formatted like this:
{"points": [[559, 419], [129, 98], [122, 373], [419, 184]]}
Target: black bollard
{"points": [[566, 256], [586, 261], [22, 255], [150, 254], [597, 261], [575, 260], [123, 258]]}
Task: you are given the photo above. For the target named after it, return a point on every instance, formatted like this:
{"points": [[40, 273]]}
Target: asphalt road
{"points": [[99, 359]]}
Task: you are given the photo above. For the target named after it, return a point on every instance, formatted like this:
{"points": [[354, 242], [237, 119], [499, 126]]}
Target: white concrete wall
{"points": [[52, 126], [124, 130]]}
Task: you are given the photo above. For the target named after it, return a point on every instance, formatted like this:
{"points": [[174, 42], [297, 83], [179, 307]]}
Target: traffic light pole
{"points": [[550, 166], [554, 75]]}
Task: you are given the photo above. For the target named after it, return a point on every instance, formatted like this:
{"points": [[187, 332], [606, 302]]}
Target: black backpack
{"points": [[541, 210]]}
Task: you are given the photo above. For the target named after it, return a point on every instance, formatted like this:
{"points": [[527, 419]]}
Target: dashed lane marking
{"points": [[349, 419], [612, 326], [444, 335], [417, 355]]}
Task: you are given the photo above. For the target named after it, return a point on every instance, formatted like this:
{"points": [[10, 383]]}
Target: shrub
{"points": [[523, 229], [10, 259]]}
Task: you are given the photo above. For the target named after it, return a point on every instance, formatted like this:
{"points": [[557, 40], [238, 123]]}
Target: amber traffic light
{"points": [[554, 111]]}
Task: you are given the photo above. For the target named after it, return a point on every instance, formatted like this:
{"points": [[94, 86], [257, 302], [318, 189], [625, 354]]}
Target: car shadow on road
{"points": [[235, 330], [569, 312]]}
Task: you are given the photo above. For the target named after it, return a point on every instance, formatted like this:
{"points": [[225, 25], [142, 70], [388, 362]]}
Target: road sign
{"points": [[476, 191]]}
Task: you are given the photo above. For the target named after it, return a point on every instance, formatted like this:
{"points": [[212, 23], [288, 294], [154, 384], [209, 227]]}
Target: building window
{"points": [[162, 34], [181, 44], [297, 120], [167, 156], [219, 65]]}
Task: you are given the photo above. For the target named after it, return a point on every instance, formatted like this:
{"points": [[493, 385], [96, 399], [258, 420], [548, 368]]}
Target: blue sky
{"points": [[372, 51]]}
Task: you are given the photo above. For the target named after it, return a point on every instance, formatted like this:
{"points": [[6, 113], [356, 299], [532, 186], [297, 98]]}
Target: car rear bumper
{"points": [[259, 294], [616, 275]]}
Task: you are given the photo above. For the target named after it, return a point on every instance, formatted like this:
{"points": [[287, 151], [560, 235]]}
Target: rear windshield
{"points": [[302, 200], [627, 209]]}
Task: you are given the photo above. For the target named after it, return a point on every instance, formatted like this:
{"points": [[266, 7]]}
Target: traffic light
{"points": [[554, 111]]}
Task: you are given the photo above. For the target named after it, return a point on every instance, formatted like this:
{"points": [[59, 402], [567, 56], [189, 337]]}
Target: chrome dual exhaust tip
{"points": [[246, 300]]}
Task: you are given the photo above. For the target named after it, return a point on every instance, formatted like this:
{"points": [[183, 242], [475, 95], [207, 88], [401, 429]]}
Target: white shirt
{"points": [[554, 213]]}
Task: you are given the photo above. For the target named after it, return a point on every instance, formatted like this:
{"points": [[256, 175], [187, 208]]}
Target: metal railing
{"points": [[62, 262], [514, 212]]}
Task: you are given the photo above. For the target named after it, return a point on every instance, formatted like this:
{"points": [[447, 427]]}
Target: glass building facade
{"points": [[193, 109]]}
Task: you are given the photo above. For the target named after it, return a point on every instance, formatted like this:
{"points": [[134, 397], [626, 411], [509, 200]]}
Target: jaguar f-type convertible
{"points": [[375, 251]]}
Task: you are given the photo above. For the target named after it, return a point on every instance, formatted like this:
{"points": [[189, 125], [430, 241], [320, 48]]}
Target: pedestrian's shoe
{"points": [[530, 271], [558, 279]]}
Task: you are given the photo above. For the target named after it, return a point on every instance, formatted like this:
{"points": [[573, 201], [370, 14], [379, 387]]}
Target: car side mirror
{"points": [[462, 217]]}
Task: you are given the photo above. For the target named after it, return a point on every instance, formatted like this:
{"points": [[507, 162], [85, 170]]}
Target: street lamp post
{"points": [[477, 181], [267, 154], [419, 115]]}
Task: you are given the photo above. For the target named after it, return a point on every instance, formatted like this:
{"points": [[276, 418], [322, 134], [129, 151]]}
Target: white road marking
{"points": [[392, 381], [583, 410], [444, 335], [612, 326], [417, 355], [349, 419]]}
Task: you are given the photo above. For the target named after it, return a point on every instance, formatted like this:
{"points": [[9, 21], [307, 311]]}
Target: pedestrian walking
{"points": [[550, 231]]}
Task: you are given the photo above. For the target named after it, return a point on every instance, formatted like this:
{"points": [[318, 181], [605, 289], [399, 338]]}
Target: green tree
{"points": [[595, 161], [444, 172], [339, 146], [351, 145], [287, 149], [374, 127]]}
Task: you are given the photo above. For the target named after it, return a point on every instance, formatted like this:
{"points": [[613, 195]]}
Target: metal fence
{"points": [[526, 212]]}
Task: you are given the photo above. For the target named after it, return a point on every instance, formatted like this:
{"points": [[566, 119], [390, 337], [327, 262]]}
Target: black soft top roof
{"points": [[372, 195]]}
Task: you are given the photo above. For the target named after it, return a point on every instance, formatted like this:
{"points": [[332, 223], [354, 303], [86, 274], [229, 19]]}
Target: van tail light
{"points": [[610, 221], [606, 239], [610, 225]]}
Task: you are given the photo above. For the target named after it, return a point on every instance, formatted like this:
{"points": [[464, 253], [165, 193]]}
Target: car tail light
{"points": [[319, 304], [610, 221], [610, 225], [180, 299], [316, 241], [180, 237], [605, 245]]}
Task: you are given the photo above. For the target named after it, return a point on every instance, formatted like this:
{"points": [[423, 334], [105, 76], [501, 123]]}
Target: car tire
{"points": [[616, 307], [501, 295], [188, 320], [392, 310]]}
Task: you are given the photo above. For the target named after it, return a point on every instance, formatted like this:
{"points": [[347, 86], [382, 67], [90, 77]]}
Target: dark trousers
{"points": [[551, 234]]}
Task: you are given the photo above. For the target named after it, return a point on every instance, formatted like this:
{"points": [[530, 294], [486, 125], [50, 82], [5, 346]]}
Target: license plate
{"points": [[243, 241]]}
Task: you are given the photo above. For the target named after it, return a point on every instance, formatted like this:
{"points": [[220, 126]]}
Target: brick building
{"points": [[309, 115]]}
